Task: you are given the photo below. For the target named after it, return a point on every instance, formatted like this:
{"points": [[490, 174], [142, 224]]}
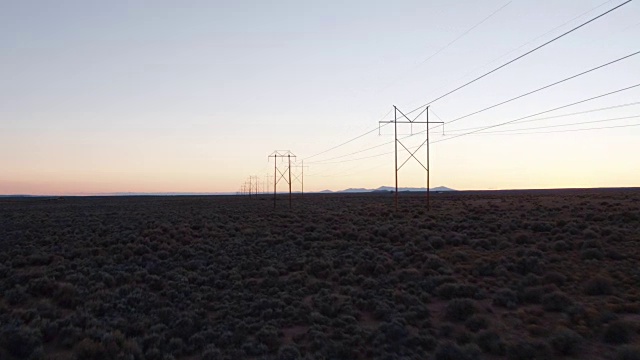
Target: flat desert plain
{"points": [[546, 274]]}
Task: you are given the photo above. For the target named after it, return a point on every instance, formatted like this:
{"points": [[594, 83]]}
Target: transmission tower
{"points": [[253, 184], [397, 141], [282, 154], [300, 177]]}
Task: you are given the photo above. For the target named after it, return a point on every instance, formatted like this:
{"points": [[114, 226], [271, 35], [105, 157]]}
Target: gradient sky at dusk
{"points": [[192, 96]]}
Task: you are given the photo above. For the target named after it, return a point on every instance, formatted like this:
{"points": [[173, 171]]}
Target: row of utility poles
{"points": [[282, 171], [251, 187], [282, 164]]}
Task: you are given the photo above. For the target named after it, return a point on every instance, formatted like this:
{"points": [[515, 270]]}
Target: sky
{"points": [[192, 96]]}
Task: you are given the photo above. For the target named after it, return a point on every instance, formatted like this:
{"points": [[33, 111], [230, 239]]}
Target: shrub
{"points": [[463, 337], [590, 244], [289, 352], [417, 313], [556, 301], [436, 241], [197, 341], [592, 254], [42, 287], [489, 341], [607, 316], [534, 294], [39, 259], [628, 353], [566, 342], [16, 296], [561, 245], [460, 309], [481, 244], [598, 286], [528, 350], [522, 239], [506, 298], [211, 353], [482, 267], [131, 348], [554, 277], [450, 291], [476, 322], [65, 295], [533, 280], [528, 265], [394, 332], [618, 332], [457, 240], [253, 348], [176, 346], [382, 311], [183, 328], [459, 256], [322, 269], [268, 335], [451, 351], [49, 331], [614, 254], [88, 349], [20, 342], [69, 335], [153, 354], [425, 341], [434, 262]]}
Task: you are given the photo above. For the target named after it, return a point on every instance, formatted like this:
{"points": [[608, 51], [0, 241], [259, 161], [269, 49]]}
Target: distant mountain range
{"points": [[387, 189]]}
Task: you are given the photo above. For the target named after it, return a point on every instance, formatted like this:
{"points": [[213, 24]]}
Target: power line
{"points": [[486, 74], [545, 87], [362, 158], [487, 127], [558, 125], [344, 143], [349, 141], [540, 36], [569, 130], [525, 133], [328, 161], [451, 43], [557, 116], [519, 57], [540, 113], [531, 41], [466, 32], [424, 61], [320, 162]]}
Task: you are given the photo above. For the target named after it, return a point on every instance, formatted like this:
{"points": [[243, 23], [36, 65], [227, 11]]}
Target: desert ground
{"points": [[549, 274]]}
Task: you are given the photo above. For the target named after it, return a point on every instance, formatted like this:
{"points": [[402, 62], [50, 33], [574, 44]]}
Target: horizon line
{"points": [[360, 190]]}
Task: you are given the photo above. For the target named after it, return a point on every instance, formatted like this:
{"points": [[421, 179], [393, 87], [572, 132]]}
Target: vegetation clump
{"points": [[619, 332], [566, 342], [460, 309], [598, 286]]}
